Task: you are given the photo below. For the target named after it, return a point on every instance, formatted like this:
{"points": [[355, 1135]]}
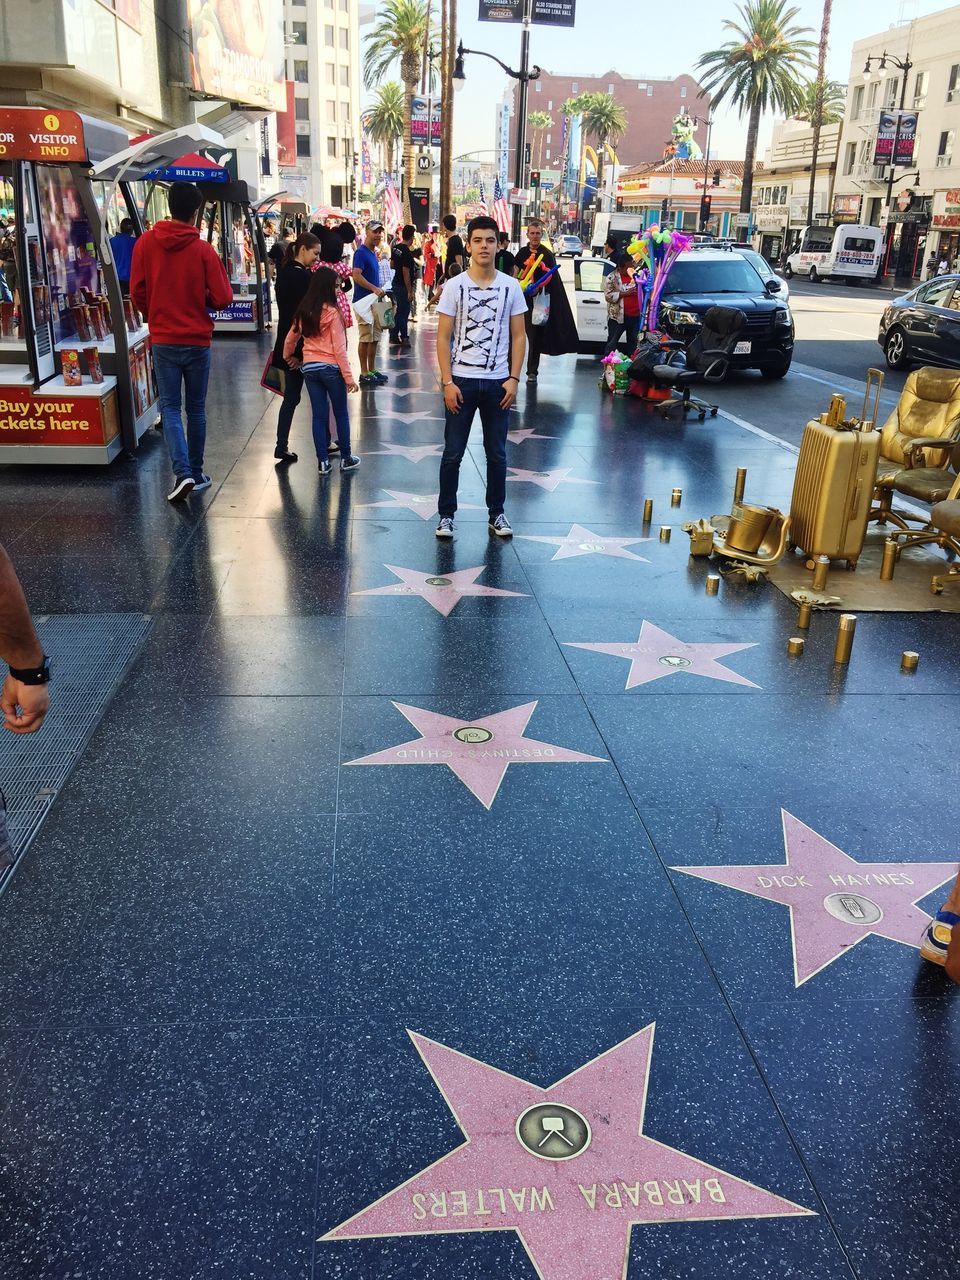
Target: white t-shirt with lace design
{"points": [[481, 324]]}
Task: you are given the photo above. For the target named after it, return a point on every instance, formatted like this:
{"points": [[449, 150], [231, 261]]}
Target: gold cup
{"points": [[890, 556], [676, 497], [795, 646], [740, 485], [664, 533], [647, 510], [846, 630], [909, 660], [820, 572], [713, 584], [803, 617]]}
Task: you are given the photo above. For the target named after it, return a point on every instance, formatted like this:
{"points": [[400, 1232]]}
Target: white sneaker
{"points": [[500, 526], [445, 527]]}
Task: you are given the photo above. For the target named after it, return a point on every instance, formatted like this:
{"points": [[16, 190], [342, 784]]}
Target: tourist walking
{"points": [[404, 276], [366, 280], [505, 260], [176, 280], [292, 283], [480, 349], [324, 364], [453, 251]]}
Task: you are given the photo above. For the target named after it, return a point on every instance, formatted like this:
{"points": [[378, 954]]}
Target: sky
{"points": [[618, 35]]}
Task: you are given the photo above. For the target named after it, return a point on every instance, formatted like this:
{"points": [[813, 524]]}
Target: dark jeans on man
{"points": [[327, 389], [483, 394], [183, 371], [533, 343], [292, 391], [401, 304], [630, 324]]}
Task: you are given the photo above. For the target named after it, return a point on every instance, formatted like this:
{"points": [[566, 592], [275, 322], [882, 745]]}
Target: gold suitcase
{"points": [[834, 481]]}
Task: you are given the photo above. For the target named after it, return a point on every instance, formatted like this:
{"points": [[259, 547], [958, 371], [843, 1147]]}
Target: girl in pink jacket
{"points": [[325, 365]]}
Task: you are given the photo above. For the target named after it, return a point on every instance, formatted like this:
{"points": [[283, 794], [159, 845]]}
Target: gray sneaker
{"points": [[500, 526], [203, 483], [445, 527]]}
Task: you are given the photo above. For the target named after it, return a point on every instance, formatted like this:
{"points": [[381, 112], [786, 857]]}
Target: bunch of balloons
{"points": [[655, 252]]}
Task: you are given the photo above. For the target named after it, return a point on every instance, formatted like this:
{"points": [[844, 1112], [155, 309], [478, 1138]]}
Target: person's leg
{"points": [[403, 316], [337, 391], [632, 325], [495, 423], [455, 436], [166, 364], [319, 401], [377, 333], [533, 346], [364, 335], [196, 375], [293, 390], [614, 330]]}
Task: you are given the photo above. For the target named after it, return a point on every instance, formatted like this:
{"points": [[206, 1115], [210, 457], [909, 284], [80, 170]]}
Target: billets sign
{"points": [[551, 13]]}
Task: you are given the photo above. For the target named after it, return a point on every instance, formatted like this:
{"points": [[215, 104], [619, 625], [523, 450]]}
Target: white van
{"points": [[850, 252]]}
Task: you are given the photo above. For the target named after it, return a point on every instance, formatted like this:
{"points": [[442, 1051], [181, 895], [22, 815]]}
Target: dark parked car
{"points": [[704, 278], [923, 327]]}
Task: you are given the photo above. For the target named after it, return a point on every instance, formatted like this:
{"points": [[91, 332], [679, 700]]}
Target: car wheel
{"points": [[895, 349], [779, 370], [813, 275], [788, 271]]}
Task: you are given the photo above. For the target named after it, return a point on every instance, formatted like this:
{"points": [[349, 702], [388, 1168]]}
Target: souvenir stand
{"points": [[229, 222]]}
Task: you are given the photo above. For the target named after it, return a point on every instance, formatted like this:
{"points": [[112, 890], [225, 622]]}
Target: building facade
{"points": [[922, 212], [781, 187], [672, 191]]}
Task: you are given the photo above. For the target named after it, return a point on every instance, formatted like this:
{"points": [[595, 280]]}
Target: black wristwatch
{"points": [[33, 675]]}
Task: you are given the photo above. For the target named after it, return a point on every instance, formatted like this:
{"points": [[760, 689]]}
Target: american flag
{"points": [[501, 210], [483, 200], [392, 208]]}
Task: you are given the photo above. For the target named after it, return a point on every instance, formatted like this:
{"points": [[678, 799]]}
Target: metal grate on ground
{"points": [[90, 653]]}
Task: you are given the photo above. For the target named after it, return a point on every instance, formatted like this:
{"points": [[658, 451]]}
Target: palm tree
{"points": [[834, 101], [759, 69], [538, 122], [606, 119], [385, 120], [399, 34], [817, 116]]}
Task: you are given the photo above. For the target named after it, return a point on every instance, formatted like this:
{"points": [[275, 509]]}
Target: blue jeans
{"points": [[187, 370], [327, 389], [484, 394]]}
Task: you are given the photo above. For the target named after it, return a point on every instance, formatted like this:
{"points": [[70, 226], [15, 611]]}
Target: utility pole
{"points": [[524, 79]]}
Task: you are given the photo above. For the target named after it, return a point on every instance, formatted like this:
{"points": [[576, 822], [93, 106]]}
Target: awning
{"points": [[137, 160]]}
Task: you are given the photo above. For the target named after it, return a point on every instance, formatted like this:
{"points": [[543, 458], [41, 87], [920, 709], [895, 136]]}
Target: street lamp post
{"points": [[523, 76], [905, 66]]}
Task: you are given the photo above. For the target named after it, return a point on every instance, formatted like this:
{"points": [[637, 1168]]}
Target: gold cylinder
{"points": [[846, 629], [820, 572], [664, 533], [889, 560], [713, 583], [909, 660], [676, 497], [740, 485], [647, 510], [795, 646], [803, 617]]}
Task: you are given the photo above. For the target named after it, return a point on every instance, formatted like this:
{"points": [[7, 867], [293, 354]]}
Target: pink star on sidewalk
{"points": [[480, 751], [413, 453], [584, 542], [423, 505], [548, 480], [442, 591], [526, 433], [568, 1168], [835, 901], [657, 654], [406, 417]]}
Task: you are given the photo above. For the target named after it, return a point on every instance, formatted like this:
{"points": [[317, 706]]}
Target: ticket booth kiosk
{"points": [[228, 220]]}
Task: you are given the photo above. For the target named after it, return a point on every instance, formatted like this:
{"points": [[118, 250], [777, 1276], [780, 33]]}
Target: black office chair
{"points": [[707, 359]]}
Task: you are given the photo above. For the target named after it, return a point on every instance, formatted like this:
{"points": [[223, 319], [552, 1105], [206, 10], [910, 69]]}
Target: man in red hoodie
{"points": [[176, 280]]}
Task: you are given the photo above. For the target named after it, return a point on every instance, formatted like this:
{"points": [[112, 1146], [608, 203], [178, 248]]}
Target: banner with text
{"points": [[549, 13], [896, 137], [418, 121]]}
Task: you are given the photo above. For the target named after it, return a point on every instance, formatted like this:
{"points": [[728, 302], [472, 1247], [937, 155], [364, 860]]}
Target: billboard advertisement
{"points": [[236, 50], [896, 137], [418, 121], [550, 13]]}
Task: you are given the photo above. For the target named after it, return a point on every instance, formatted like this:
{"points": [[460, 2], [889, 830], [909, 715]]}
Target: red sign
{"points": [[31, 133], [287, 130], [26, 418]]}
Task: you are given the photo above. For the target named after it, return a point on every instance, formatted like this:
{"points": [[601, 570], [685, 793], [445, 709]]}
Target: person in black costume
{"points": [[559, 335]]}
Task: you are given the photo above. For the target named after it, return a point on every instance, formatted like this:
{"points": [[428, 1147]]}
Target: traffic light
{"points": [[534, 177], [619, 204], [705, 203], [664, 210]]}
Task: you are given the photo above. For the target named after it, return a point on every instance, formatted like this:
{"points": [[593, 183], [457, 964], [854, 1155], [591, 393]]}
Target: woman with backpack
{"points": [[325, 365], [291, 285]]}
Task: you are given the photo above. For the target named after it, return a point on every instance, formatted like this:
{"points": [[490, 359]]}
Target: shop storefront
{"points": [[946, 223], [907, 225]]}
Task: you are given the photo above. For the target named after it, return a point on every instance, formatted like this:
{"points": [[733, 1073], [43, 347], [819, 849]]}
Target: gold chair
{"points": [[941, 530], [917, 443]]}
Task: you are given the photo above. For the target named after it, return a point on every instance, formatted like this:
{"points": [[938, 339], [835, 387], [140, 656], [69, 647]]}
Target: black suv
{"points": [[704, 278]]}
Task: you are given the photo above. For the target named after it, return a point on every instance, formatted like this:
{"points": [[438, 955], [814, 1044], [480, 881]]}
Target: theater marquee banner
{"points": [[236, 50], [548, 13]]}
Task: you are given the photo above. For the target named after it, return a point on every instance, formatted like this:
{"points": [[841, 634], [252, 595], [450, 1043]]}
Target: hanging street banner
{"points": [[419, 107], [896, 137], [548, 13]]}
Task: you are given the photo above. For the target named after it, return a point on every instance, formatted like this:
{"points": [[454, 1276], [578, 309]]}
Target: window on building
{"points": [[537, 86], [345, 113], [303, 144], [550, 105], [331, 109], [344, 6], [649, 90], [873, 95], [890, 89], [920, 86], [344, 38], [856, 105], [953, 84], [301, 108], [298, 33], [574, 86], [549, 138], [849, 157], [301, 71], [328, 35], [331, 73], [332, 147], [683, 91], [610, 88], [547, 156], [945, 149], [345, 77]]}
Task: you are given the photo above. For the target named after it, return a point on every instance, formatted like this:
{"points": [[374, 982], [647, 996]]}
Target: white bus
{"points": [[850, 252]]}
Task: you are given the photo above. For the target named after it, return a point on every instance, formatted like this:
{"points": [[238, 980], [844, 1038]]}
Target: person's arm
{"points": [[518, 349], [289, 344], [452, 395], [339, 337], [24, 705], [360, 279], [458, 258], [407, 273], [138, 282]]}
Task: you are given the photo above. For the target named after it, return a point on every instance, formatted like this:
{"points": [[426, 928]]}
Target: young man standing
{"points": [[366, 280], [480, 349], [505, 260], [404, 276], [454, 253], [176, 280], [122, 246]]}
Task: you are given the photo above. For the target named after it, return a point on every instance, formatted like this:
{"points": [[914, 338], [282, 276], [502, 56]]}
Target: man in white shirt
{"points": [[481, 342]]}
